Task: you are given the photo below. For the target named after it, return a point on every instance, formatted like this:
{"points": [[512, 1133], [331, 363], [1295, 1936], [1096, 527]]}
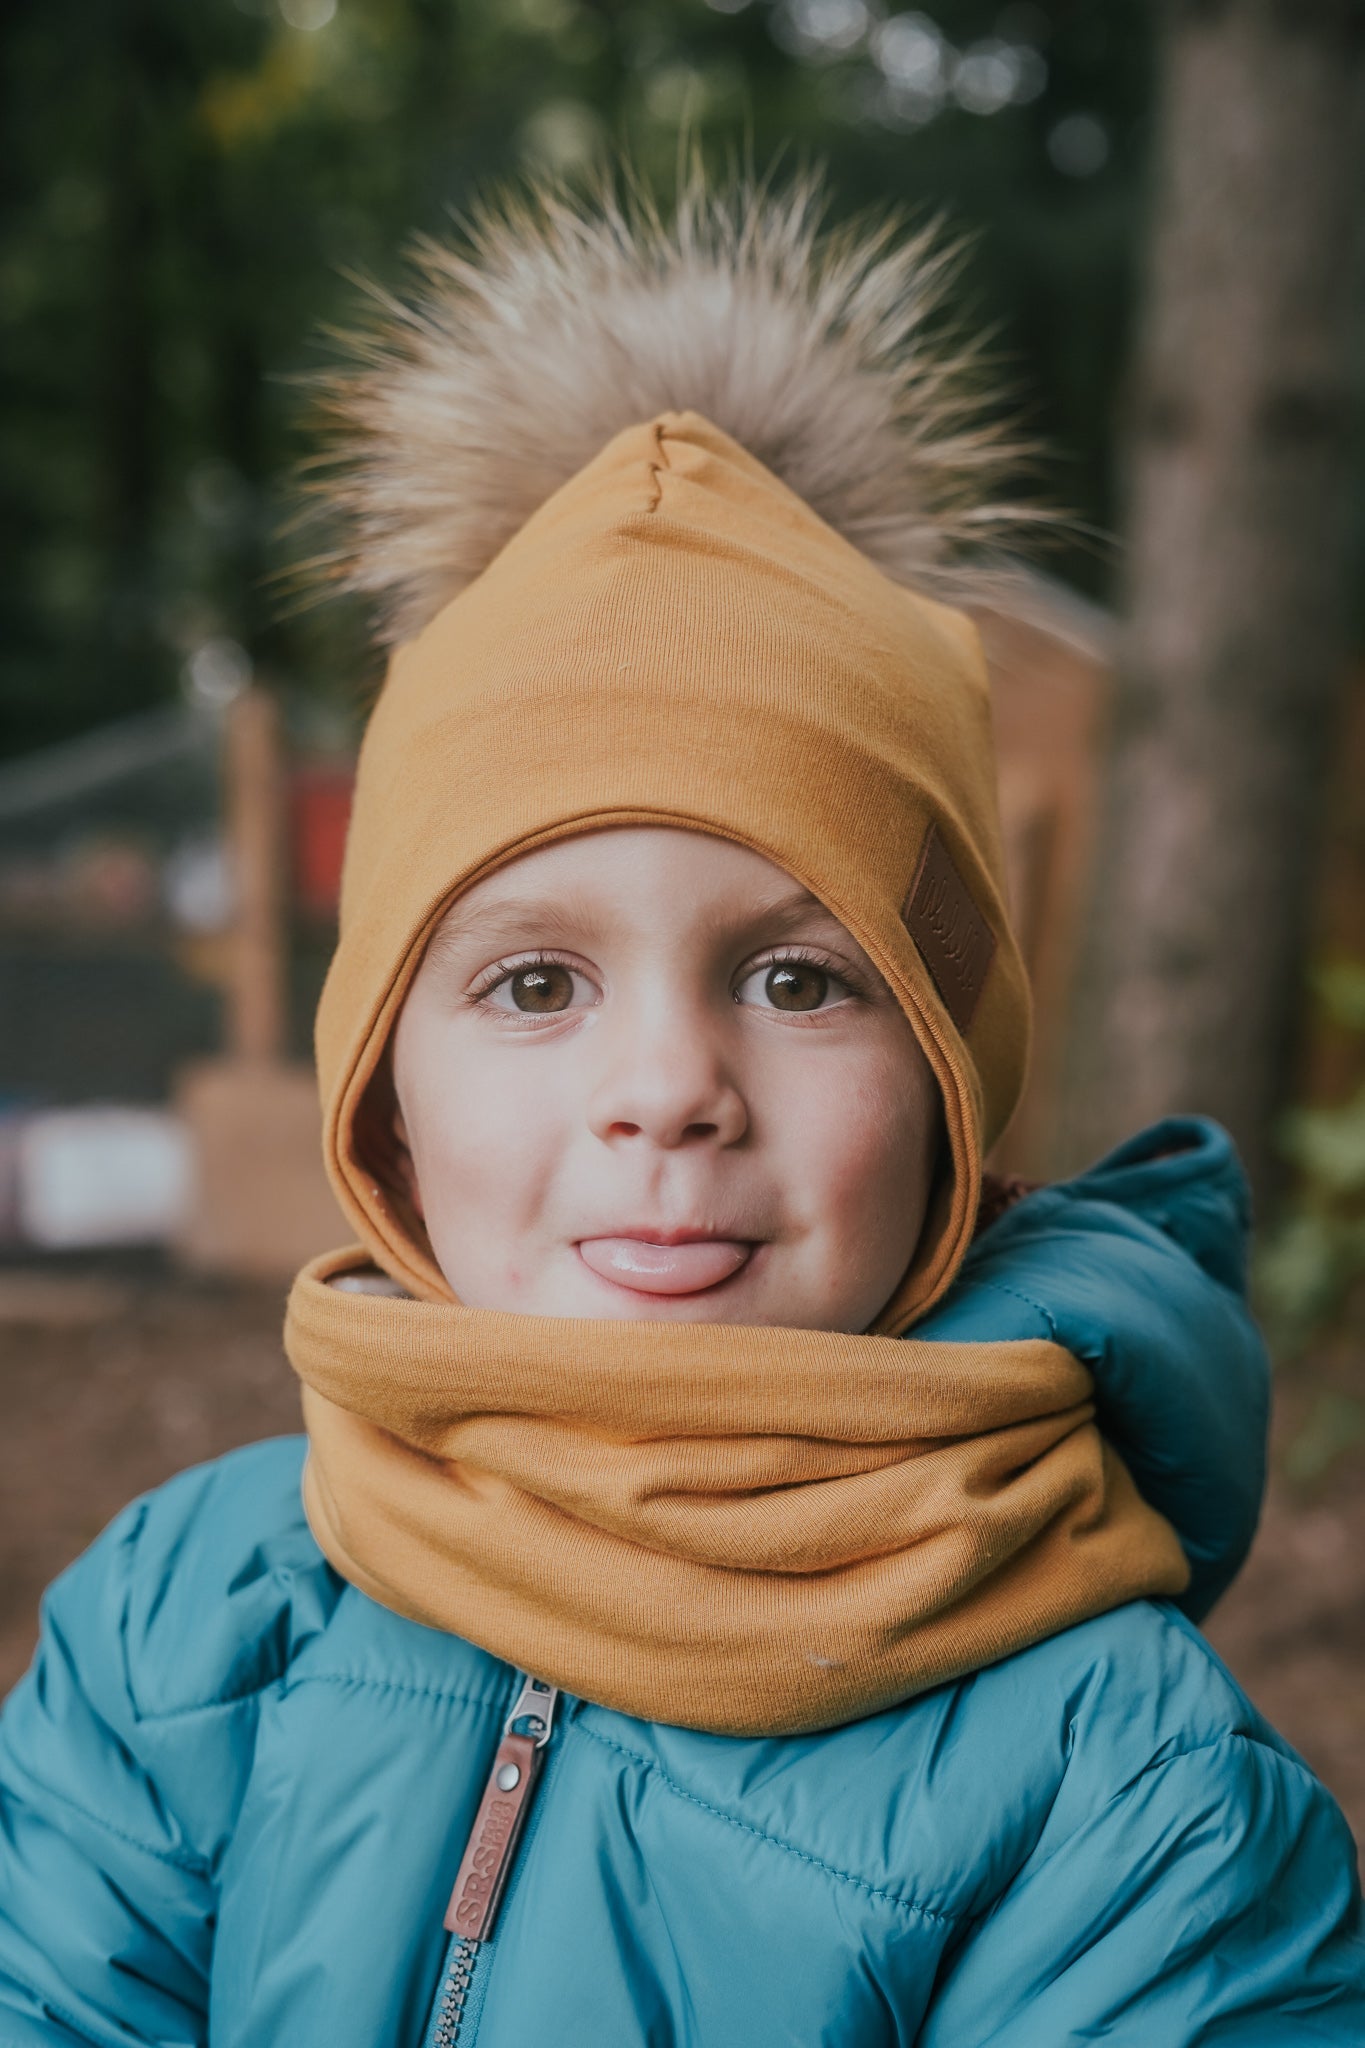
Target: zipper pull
{"points": [[492, 1845]]}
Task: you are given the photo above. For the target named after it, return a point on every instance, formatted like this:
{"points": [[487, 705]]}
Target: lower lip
{"points": [[648, 1268]]}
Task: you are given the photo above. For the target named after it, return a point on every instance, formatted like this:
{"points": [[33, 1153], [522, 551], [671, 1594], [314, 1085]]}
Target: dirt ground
{"points": [[113, 1378]]}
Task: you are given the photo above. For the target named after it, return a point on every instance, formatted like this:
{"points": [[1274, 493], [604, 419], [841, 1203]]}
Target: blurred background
{"points": [[1164, 238]]}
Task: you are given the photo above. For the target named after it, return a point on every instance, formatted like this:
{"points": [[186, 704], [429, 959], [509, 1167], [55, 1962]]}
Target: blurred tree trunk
{"points": [[1240, 461]]}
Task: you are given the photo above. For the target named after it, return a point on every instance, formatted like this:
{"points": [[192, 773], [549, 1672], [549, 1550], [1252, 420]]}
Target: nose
{"points": [[666, 1078]]}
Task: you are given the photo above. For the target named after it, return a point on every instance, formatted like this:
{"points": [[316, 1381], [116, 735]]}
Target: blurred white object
{"points": [[89, 1177], [197, 886], [216, 673]]}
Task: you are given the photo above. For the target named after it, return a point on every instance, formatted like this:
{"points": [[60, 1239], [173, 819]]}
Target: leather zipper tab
{"points": [[492, 1845]]}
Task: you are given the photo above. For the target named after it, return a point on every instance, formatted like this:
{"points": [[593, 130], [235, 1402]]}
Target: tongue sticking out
{"points": [[664, 1268]]}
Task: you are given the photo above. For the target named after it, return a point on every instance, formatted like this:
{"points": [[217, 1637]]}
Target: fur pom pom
{"points": [[555, 323]]}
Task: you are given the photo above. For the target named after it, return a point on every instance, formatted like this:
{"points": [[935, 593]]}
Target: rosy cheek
{"points": [[857, 1182], [503, 1132], [873, 1152]]}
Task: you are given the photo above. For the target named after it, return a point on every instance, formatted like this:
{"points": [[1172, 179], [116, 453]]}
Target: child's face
{"points": [[642, 1073]]}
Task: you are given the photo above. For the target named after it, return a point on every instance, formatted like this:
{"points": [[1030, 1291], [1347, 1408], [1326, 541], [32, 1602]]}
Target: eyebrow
{"points": [[567, 914], [503, 923]]}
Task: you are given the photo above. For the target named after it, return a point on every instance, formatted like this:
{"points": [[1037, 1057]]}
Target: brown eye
{"points": [[542, 989], [796, 985]]}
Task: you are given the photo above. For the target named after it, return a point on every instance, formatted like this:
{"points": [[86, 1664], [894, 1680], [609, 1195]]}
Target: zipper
{"points": [[492, 1847]]}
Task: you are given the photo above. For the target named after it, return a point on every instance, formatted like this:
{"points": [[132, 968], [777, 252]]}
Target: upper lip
{"points": [[648, 1233]]}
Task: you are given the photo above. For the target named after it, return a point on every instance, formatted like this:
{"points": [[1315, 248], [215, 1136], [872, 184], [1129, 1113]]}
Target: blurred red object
{"points": [[319, 811]]}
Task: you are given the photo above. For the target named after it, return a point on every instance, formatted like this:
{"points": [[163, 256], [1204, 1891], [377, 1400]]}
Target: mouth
{"points": [[665, 1262]]}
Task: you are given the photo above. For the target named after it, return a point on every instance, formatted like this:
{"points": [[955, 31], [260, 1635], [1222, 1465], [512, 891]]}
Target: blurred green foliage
{"points": [[187, 185], [1314, 1258], [1334, 1424]]}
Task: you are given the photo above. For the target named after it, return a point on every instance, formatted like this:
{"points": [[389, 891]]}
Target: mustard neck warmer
{"points": [[750, 1530]]}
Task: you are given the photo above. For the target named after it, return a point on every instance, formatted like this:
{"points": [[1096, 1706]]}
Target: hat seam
{"points": [[657, 467]]}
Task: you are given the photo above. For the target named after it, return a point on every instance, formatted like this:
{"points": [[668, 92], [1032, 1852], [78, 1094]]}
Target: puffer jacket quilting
{"points": [[234, 1791]]}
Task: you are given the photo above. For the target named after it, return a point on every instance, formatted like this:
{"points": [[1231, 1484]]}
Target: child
{"points": [[713, 1615]]}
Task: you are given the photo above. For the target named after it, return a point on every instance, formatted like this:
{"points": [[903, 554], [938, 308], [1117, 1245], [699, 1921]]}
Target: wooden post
{"points": [[256, 1029], [261, 1205]]}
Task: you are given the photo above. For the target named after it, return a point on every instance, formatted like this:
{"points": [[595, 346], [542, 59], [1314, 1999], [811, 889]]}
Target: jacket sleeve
{"points": [[1138, 1267], [1213, 1899], [106, 1904]]}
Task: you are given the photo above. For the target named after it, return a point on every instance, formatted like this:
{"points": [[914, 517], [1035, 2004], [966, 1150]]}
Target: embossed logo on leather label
{"points": [[482, 1864], [955, 941], [492, 1843]]}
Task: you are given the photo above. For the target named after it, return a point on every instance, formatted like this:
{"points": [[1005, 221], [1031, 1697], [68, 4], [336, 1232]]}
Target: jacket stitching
{"points": [[155, 1717], [285, 1684], [57, 2007], [183, 1859], [1017, 1294], [421, 1692], [774, 1841], [1234, 1738]]}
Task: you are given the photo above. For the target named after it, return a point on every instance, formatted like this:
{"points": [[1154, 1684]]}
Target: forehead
{"points": [[627, 875]]}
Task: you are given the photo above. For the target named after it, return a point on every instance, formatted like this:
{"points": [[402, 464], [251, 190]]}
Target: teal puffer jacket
{"points": [[234, 1791]]}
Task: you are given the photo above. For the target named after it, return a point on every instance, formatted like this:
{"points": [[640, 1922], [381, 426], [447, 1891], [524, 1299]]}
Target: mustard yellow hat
{"points": [[674, 634]]}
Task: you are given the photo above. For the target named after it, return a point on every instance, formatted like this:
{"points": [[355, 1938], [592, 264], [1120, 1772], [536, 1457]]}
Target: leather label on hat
{"points": [[955, 941]]}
